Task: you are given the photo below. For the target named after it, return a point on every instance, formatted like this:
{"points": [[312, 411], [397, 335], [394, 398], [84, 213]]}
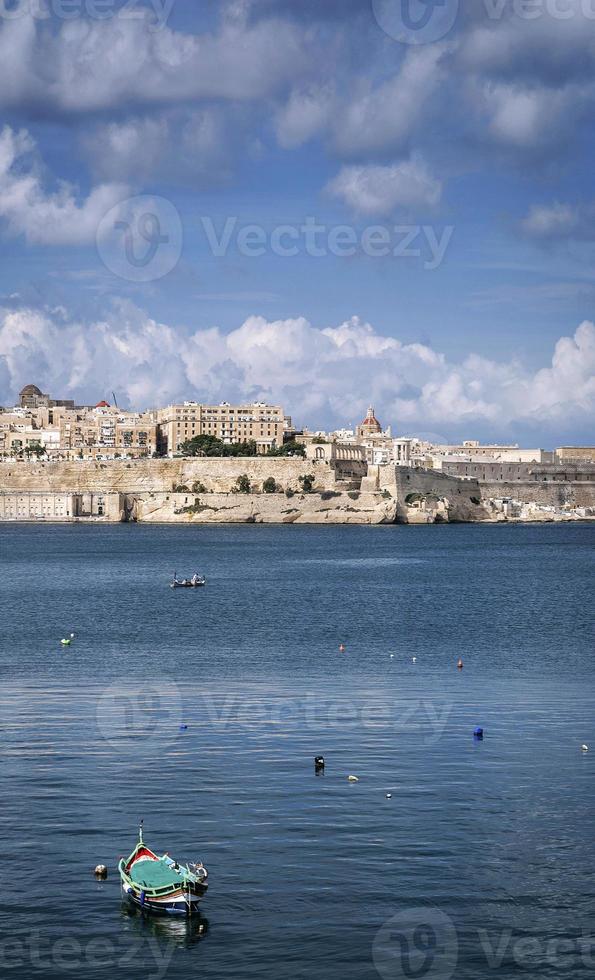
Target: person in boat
{"points": [[195, 579]]}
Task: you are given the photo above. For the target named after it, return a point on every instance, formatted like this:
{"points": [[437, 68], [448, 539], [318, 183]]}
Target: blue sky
{"points": [[132, 134]]}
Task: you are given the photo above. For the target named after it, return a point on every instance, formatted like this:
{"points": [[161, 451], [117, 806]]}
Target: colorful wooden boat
{"points": [[159, 884]]}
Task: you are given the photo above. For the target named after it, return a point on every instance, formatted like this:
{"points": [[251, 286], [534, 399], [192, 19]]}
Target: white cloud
{"points": [[306, 113], [47, 218], [560, 222], [89, 66], [528, 118], [196, 146], [550, 221], [378, 190], [381, 120], [323, 376]]}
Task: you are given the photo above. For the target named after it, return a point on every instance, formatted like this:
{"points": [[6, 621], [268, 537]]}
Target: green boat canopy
{"points": [[155, 874]]}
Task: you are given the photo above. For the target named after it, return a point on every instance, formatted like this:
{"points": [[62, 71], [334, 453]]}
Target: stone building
{"points": [[32, 397], [63, 433], [348, 461], [258, 422], [575, 454]]}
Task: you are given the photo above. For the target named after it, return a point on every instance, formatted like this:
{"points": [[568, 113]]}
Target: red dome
{"points": [[371, 421], [103, 405]]}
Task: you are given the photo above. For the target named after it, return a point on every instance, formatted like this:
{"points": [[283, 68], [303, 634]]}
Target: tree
{"points": [[202, 446], [198, 487], [35, 449], [291, 448], [307, 483], [270, 485], [243, 484], [206, 445]]}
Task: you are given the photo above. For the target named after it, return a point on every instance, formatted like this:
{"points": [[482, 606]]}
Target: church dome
{"points": [[30, 390], [371, 423]]}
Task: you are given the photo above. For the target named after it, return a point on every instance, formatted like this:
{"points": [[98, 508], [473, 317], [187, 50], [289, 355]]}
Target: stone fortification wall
{"points": [[579, 494], [161, 475], [424, 496]]}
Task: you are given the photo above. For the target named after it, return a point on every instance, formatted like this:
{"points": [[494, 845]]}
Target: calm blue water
{"points": [[481, 863]]}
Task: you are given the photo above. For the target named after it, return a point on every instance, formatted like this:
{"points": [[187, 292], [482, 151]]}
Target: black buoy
{"points": [[319, 763]]}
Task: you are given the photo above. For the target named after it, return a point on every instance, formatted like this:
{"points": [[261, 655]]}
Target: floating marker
{"points": [[183, 728], [319, 762], [353, 779], [414, 660], [101, 872], [342, 648], [584, 748], [460, 664], [478, 733], [389, 796]]}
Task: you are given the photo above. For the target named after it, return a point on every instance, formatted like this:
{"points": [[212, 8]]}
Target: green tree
{"points": [[198, 487], [307, 483], [202, 446], [243, 484], [291, 448], [206, 445], [270, 485]]}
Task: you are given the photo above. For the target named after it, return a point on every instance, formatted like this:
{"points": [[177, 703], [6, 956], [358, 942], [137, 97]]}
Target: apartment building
{"points": [[258, 422], [78, 433]]}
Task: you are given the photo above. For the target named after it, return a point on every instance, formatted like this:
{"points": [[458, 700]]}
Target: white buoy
{"points": [[392, 656], [101, 871], [389, 796], [353, 779], [584, 748], [414, 660]]}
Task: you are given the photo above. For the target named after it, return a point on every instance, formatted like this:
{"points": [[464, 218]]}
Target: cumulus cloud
{"points": [[94, 65], [381, 119], [323, 375], [45, 218], [377, 190], [528, 118], [560, 222], [197, 146]]}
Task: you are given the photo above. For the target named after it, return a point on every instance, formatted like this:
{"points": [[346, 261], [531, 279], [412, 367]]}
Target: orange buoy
{"points": [[460, 664]]}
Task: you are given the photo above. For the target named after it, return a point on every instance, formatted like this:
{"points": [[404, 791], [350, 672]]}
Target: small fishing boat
{"points": [[196, 582], [159, 884]]}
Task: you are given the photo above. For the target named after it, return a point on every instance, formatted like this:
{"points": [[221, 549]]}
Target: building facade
{"points": [[258, 422]]}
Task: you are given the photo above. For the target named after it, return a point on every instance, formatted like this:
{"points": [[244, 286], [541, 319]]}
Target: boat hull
{"points": [[176, 904]]}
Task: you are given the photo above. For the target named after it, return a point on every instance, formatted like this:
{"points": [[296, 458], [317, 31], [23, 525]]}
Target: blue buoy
{"points": [[478, 733], [183, 728]]}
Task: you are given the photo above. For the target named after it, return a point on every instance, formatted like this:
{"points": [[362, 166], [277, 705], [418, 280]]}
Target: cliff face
{"points": [[237, 508]]}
